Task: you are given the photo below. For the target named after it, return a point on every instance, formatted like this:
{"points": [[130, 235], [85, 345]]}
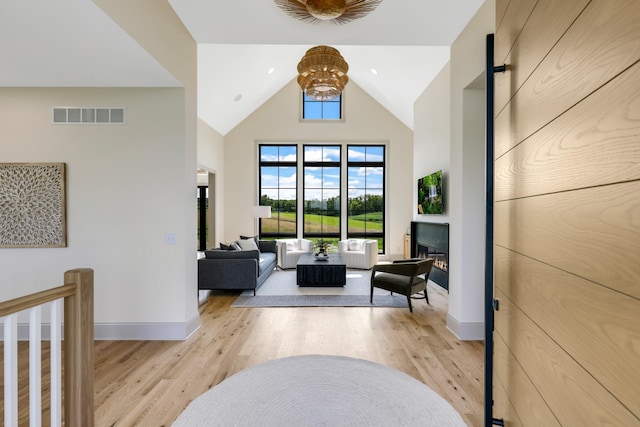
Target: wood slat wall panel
{"points": [[546, 23], [591, 323], [530, 407], [594, 143], [502, 405], [602, 42], [516, 14], [559, 229], [501, 8], [567, 216], [573, 395]]}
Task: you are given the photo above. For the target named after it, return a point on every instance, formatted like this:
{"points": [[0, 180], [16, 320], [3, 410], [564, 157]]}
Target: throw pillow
{"points": [[227, 246], [247, 244], [292, 245], [254, 238], [353, 245]]}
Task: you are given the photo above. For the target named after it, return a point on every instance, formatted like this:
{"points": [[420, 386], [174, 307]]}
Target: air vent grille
{"points": [[89, 115]]}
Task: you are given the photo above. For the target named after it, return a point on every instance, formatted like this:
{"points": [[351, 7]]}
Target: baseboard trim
{"points": [[174, 331], [192, 325], [467, 331]]}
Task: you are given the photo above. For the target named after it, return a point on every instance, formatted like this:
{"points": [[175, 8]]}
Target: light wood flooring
{"points": [[149, 383]]}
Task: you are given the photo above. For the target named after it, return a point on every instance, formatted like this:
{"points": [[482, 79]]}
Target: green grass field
{"points": [[357, 223]]}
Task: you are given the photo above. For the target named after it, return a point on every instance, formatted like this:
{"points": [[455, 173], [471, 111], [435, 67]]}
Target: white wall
{"points": [[278, 120], [124, 192], [156, 27], [449, 135], [211, 159], [473, 214], [432, 137], [466, 279], [128, 186]]}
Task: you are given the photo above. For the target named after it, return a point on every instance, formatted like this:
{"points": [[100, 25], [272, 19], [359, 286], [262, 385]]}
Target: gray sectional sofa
{"points": [[237, 269]]}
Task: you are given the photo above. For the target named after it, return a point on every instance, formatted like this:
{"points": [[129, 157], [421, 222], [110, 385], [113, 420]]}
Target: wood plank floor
{"points": [[149, 383]]}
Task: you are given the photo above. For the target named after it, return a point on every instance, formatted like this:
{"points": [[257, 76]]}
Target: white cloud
{"points": [[288, 181], [287, 194], [311, 180]]}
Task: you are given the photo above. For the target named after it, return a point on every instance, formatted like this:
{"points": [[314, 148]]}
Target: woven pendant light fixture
{"points": [[322, 73], [336, 11]]}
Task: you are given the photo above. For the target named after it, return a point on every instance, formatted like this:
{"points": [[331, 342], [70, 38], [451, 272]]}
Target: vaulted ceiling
{"points": [[247, 50]]}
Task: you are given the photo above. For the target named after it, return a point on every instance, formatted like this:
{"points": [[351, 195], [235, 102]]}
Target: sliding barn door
{"points": [[567, 213]]}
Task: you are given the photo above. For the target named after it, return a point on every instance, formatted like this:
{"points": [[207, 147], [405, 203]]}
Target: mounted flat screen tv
{"points": [[430, 197]]}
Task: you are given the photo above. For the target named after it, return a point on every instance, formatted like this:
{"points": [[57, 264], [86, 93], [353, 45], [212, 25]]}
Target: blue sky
{"points": [[321, 183]]}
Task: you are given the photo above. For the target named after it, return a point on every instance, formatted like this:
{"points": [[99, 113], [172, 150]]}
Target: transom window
{"points": [[321, 110]]}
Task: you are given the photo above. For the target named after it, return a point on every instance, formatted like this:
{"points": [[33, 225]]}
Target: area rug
{"points": [[281, 290], [317, 390]]}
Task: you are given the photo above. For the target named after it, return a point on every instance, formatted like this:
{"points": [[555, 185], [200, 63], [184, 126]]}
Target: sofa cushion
{"points": [[220, 254], [267, 261], [268, 246]]}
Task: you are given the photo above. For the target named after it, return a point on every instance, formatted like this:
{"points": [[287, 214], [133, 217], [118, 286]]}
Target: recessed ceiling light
{"points": [[238, 97], [374, 71], [271, 70]]}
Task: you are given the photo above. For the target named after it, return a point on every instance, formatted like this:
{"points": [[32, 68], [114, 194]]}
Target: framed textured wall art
{"points": [[32, 205]]}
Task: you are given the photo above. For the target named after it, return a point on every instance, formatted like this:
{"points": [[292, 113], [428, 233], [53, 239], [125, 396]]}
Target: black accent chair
{"points": [[402, 276]]}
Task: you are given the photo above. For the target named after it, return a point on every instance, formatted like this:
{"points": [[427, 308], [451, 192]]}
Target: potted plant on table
{"points": [[323, 247]]}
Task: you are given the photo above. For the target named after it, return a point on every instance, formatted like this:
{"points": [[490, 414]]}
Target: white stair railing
{"points": [[77, 296], [11, 370]]}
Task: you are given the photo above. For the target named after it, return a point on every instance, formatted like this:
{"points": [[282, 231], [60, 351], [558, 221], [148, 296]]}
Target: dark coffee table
{"points": [[331, 272]]}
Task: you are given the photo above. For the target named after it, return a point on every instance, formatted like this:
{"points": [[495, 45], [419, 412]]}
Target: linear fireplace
{"points": [[431, 240]]}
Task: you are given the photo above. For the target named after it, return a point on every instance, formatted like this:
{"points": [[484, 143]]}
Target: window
{"points": [[322, 192], [365, 201], [321, 110], [278, 189]]}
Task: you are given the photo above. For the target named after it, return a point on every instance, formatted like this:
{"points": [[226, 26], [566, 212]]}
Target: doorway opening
{"points": [[205, 196]]}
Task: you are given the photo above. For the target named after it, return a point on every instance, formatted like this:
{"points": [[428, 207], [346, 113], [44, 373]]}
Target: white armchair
{"points": [[289, 251], [359, 253]]}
